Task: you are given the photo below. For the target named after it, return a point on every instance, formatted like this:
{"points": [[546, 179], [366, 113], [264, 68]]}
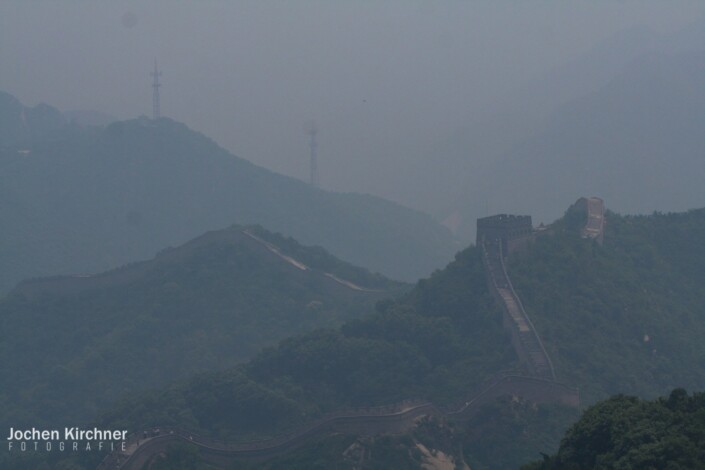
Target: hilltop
{"points": [[88, 199], [74, 344]]}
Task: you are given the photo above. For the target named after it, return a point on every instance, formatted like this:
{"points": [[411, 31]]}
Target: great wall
{"points": [[498, 236], [78, 283]]}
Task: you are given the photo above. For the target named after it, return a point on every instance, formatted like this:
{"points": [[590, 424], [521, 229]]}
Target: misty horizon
{"points": [[394, 87], [355, 235]]}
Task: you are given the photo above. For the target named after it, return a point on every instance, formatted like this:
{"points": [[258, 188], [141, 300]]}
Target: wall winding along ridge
{"points": [[498, 236], [78, 283], [393, 419], [525, 339]]}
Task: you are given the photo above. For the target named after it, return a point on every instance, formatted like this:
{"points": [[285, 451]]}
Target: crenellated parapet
{"points": [[514, 231]]}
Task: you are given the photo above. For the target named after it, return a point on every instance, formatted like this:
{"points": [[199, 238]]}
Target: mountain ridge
{"points": [[95, 198], [613, 284], [208, 304]]}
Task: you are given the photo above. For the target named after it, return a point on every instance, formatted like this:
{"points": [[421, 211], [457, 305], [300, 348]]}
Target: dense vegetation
{"points": [[440, 341], [502, 435], [86, 200], [68, 351], [623, 316], [431, 440], [626, 432], [626, 317]]}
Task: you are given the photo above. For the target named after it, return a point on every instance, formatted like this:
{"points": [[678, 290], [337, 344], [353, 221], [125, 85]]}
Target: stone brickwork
{"points": [[594, 209], [514, 231]]}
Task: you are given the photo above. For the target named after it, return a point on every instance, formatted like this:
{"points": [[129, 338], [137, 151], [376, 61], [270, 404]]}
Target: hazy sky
{"points": [[381, 79]]}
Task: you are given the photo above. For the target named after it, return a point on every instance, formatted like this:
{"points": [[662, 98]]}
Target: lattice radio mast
{"points": [[311, 130], [156, 114]]}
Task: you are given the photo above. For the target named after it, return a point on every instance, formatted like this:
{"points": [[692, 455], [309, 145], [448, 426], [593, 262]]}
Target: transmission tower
{"points": [[156, 114], [311, 131]]}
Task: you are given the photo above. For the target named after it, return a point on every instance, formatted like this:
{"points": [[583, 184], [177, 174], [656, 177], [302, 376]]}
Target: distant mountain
{"points": [[621, 317], [637, 141], [459, 159], [88, 199], [479, 155], [73, 344], [20, 126]]}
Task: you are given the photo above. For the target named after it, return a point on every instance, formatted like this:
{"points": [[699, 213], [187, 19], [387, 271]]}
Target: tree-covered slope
{"points": [[438, 342], [626, 317], [90, 199], [626, 432], [71, 345]]}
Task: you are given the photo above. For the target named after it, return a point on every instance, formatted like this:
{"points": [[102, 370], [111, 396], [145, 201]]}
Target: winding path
{"points": [[393, 419]]}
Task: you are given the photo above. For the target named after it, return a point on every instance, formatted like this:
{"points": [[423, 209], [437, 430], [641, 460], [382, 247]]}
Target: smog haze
{"points": [[415, 101]]}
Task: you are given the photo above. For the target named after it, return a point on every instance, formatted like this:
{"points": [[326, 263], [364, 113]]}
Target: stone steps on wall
{"points": [[531, 349]]}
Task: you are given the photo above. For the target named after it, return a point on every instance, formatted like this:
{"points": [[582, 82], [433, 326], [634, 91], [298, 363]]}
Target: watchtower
{"points": [[514, 231]]}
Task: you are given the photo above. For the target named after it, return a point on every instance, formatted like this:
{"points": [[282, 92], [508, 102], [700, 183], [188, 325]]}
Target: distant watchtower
{"points": [[156, 114], [594, 209], [514, 231]]}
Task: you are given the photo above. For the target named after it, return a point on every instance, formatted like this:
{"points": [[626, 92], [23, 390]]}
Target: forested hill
{"points": [[625, 316], [77, 199], [73, 344], [439, 342], [626, 432]]}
